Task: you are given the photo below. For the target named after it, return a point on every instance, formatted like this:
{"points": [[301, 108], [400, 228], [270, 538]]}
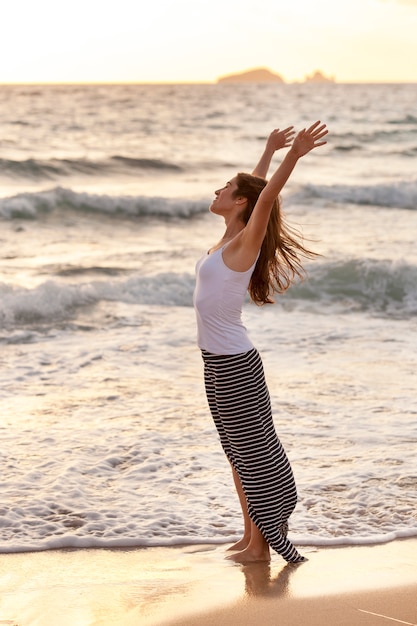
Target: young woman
{"points": [[259, 254]]}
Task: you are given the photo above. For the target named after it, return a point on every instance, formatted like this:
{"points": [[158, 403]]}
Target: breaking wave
{"points": [[33, 205], [380, 287]]}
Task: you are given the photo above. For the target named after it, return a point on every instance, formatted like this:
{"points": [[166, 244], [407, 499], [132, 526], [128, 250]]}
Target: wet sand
{"points": [[196, 585]]}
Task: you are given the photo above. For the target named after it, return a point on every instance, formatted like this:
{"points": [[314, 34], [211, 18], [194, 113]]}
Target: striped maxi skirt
{"points": [[240, 405]]}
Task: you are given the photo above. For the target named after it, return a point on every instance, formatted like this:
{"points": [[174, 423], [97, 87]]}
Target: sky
{"points": [[151, 41]]}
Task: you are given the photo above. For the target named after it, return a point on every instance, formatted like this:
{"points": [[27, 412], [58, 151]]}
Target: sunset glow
{"points": [[185, 41]]}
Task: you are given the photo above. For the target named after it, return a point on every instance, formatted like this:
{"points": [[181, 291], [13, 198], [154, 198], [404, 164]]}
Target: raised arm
{"points": [[305, 141], [277, 139]]}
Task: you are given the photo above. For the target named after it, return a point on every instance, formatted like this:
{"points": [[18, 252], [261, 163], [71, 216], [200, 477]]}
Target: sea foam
{"points": [[381, 287], [396, 194], [32, 205]]}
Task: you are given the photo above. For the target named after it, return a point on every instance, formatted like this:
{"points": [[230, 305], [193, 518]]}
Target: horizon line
{"points": [[216, 82]]}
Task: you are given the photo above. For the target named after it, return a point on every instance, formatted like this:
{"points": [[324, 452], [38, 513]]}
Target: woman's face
{"points": [[226, 200]]}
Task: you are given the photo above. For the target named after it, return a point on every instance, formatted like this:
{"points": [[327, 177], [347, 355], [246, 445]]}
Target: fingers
{"points": [[309, 138], [313, 133], [280, 138], [317, 130], [287, 132], [317, 127], [313, 127], [323, 134]]}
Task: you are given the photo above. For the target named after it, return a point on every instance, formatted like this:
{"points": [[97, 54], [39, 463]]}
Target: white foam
{"points": [[109, 442], [400, 194], [33, 204], [384, 287]]}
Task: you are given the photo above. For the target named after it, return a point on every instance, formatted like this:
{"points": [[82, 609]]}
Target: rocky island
{"points": [[318, 77], [260, 75], [264, 75]]}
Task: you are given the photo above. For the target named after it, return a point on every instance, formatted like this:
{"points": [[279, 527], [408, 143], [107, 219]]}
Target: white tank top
{"points": [[218, 299]]}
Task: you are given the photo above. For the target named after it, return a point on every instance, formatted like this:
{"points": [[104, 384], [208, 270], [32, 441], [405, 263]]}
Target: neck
{"points": [[233, 227]]}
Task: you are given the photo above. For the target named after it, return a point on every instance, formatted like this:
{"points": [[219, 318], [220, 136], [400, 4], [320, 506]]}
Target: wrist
{"points": [[293, 154], [269, 151]]}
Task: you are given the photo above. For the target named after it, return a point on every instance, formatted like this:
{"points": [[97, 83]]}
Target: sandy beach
{"points": [[369, 585]]}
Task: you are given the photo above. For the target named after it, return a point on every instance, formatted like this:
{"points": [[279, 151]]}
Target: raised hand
{"points": [[308, 139], [276, 140], [280, 138]]}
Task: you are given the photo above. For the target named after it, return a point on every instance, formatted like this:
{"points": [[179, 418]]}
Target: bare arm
{"points": [[305, 141], [277, 139], [242, 251]]}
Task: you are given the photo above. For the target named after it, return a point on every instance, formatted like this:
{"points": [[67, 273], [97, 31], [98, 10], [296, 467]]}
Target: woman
{"points": [[257, 253]]}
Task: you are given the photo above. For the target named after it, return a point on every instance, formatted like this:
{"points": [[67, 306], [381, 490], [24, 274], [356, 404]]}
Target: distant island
{"points": [[319, 77], [260, 75], [264, 75]]}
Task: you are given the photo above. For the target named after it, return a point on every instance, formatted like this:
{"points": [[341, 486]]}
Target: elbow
{"points": [[267, 197]]}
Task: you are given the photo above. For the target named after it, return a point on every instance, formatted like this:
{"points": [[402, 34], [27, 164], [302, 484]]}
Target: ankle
{"points": [[259, 548]]}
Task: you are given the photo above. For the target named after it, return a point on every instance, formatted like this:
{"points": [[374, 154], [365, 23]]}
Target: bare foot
{"points": [[249, 555], [242, 544]]}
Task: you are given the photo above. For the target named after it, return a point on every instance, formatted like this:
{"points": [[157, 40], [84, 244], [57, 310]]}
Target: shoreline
{"points": [[196, 585]]}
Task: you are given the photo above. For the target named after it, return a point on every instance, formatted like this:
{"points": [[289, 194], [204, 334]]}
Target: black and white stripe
{"points": [[240, 405]]}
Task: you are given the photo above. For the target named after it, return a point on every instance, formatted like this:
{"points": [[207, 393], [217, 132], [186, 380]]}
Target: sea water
{"points": [[105, 435]]}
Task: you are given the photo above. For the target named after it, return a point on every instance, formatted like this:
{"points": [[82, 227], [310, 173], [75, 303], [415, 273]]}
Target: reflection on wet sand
{"points": [[259, 580]]}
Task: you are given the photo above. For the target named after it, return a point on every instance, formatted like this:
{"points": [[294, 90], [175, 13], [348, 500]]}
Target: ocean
{"points": [[105, 435]]}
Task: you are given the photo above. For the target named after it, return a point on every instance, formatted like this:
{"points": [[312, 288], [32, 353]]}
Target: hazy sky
{"points": [[200, 40]]}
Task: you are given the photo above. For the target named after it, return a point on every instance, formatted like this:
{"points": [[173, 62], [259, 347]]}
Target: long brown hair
{"points": [[279, 260]]}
